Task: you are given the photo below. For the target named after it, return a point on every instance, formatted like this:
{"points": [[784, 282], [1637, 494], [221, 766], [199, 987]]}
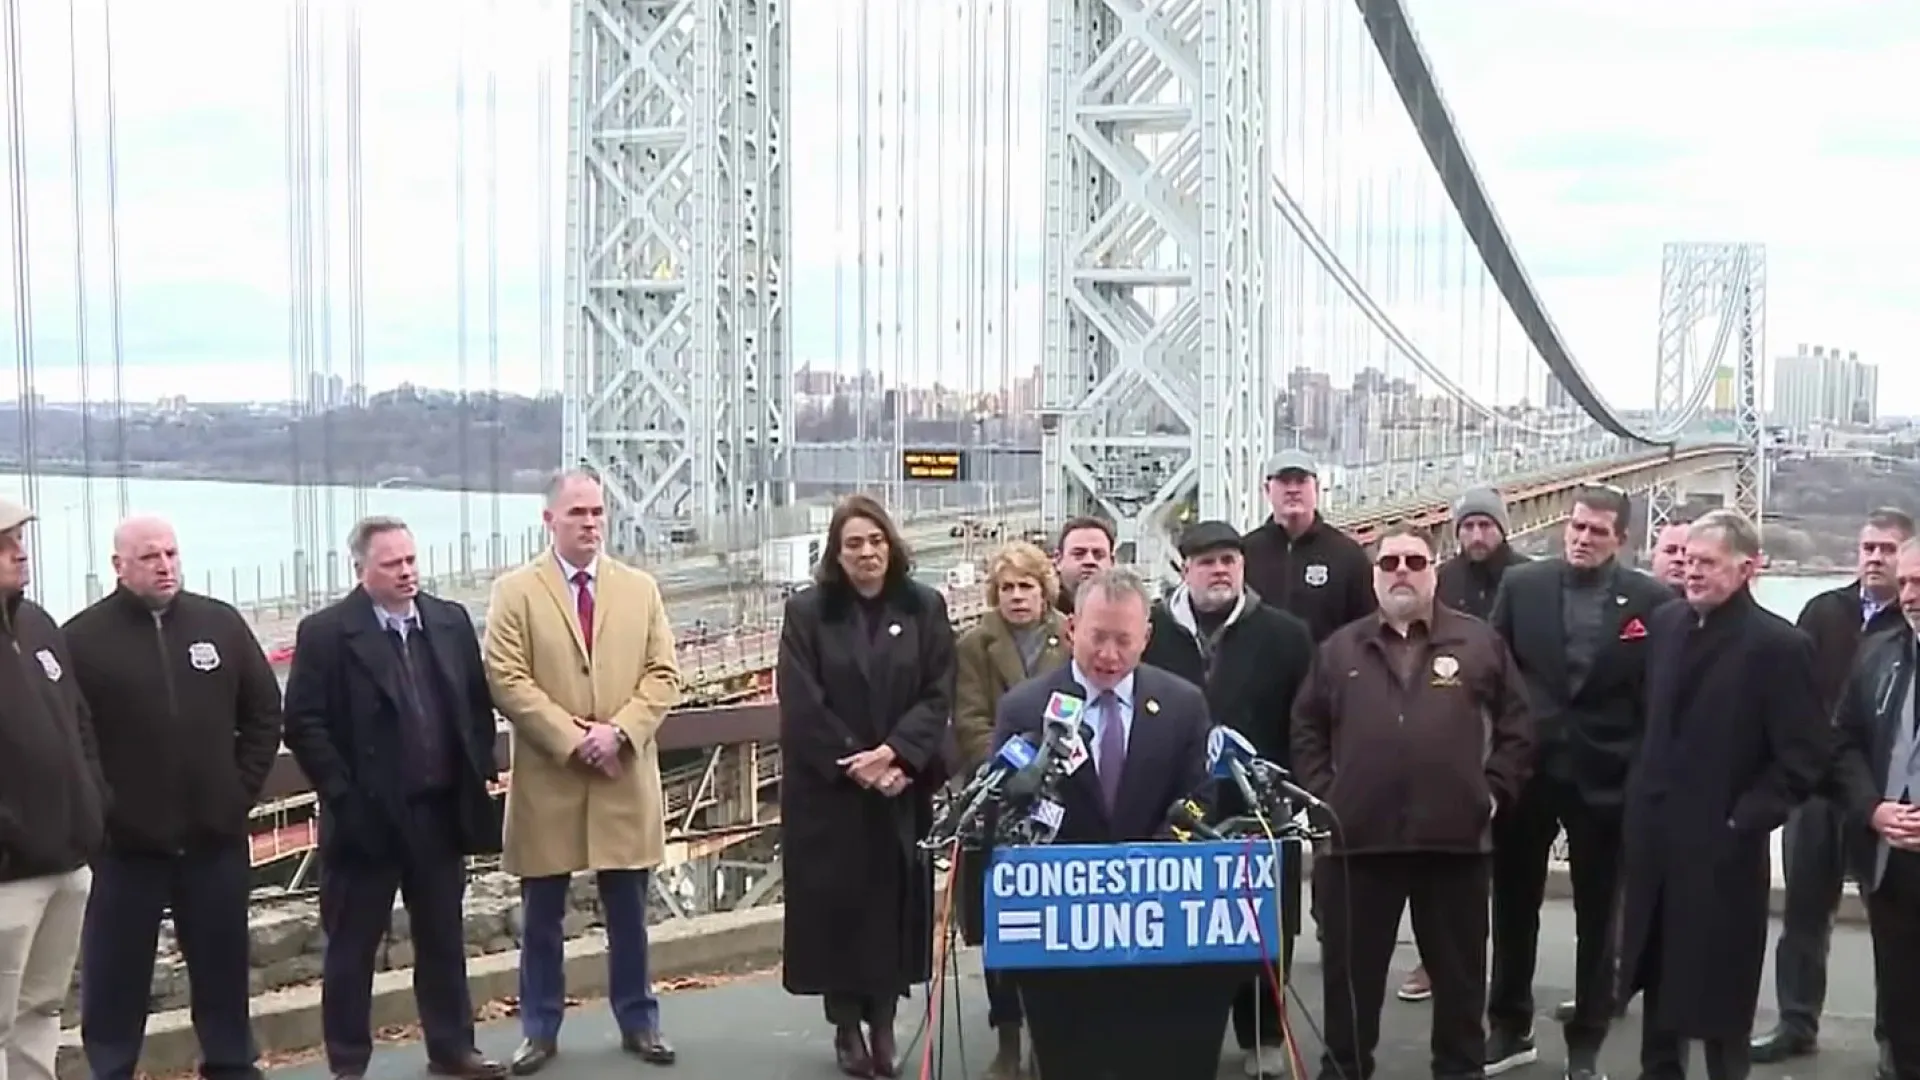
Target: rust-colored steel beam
{"points": [[684, 729]]}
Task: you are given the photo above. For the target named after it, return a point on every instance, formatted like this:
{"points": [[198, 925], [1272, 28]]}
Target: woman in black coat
{"points": [[864, 680]]}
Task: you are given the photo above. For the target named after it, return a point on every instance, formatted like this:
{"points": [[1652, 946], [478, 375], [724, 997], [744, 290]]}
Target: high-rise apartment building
{"points": [[1823, 386]]}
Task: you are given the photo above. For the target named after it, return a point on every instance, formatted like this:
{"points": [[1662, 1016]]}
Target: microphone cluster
{"points": [[1267, 791], [1013, 798]]}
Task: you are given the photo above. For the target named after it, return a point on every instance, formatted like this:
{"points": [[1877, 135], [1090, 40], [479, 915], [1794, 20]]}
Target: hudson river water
{"points": [[237, 540]]}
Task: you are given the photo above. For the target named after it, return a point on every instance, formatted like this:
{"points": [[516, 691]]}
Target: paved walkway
{"points": [[748, 1029]]}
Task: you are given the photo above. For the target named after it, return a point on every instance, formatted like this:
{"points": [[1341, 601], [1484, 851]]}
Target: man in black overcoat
{"points": [[1735, 740], [389, 715]]}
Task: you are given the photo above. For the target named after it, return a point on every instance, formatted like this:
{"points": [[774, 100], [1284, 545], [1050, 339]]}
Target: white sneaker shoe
{"points": [[1267, 1062]]}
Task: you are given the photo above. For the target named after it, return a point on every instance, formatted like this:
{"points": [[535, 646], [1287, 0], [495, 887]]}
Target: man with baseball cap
{"points": [[51, 814], [1299, 563]]}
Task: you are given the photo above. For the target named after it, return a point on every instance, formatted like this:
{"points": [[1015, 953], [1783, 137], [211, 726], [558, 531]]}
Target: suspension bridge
{"points": [[1098, 257]]}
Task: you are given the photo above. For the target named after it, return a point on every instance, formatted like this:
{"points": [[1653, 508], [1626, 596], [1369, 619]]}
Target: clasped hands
{"points": [[876, 770], [1899, 823], [600, 748]]}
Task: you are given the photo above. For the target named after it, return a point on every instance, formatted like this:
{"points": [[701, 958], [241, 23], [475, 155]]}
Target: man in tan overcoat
{"points": [[580, 658]]}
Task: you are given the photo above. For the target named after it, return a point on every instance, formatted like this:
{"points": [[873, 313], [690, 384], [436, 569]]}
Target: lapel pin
{"points": [[1153, 707], [1621, 600], [894, 630], [1052, 641]]}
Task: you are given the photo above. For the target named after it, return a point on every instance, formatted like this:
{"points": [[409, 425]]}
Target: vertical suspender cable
{"points": [[356, 257], [495, 555], [862, 139], [543, 191], [898, 211], [113, 266], [22, 279], [1010, 68], [840, 210], [82, 358], [464, 560], [327, 537]]}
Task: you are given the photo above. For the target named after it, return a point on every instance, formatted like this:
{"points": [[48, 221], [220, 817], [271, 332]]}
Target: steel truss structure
{"points": [[678, 349], [1155, 354], [1726, 283]]}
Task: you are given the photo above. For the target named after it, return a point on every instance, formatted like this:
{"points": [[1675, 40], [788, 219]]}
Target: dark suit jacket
{"points": [[1590, 732], [1873, 705], [343, 725], [1166, 753]]}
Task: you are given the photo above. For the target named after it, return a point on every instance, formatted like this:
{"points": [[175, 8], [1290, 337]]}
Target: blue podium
{"points": [[1128, 955]]}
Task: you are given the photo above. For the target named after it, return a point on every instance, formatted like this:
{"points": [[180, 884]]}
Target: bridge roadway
{"points": [[698, 587], [747, 1027]]}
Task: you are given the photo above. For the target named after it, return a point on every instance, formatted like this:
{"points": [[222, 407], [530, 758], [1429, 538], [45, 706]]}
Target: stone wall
{"points": [[287, 940]]}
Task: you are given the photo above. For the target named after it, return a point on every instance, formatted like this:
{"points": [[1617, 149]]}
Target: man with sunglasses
{"points": [[1813, 845], [1421, 714], [1577, 625]]}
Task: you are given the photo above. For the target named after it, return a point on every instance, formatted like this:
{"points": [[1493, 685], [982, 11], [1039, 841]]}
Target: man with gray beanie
{"points": [[1467, 582]]}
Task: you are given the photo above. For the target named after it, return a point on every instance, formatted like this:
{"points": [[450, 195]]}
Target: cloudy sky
{"points": [[1602, 128]]}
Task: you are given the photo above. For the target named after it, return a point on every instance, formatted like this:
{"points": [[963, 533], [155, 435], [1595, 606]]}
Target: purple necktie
{"points": [[1113, 748]]}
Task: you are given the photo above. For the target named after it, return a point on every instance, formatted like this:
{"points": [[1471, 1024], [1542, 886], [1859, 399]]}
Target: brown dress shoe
{"points": [[532, 1056], [649, 1046], [850, 1051], [471, 1067]]}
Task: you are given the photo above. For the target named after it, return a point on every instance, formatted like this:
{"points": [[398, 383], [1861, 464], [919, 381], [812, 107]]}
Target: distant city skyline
{"points": [[1589, 173]]}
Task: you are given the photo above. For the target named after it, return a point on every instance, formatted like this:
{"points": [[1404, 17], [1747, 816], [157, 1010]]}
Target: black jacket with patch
{"points": [[52, 799], [1322, 577], [187, 712]]}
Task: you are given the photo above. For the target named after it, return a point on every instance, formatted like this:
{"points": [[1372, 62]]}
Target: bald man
{"points": [[187, 713]]}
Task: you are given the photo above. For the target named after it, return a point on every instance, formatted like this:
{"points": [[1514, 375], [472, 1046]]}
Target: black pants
{"points": [[1663, 1054], [207, 890], [1361, 899], [873, 1010], [1893, 910], [1813, 850], [1522, 844], [1256, 1013], [356, 908]]}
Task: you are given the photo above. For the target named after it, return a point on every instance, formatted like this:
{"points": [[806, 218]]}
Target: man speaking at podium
{"points": [[1145, 730], [1413, 726]]}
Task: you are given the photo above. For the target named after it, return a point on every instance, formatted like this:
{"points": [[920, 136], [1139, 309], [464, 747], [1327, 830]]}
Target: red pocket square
{"points": [[1634, 630]]}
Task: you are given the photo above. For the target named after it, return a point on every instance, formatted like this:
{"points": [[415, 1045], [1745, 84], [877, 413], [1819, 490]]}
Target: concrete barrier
{"points": [[286, 1016]]}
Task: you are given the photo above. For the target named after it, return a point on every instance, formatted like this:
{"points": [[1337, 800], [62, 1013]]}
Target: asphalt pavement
{"points": [[747, 1028]]}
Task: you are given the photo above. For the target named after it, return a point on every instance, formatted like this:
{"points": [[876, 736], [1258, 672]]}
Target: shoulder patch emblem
{"points": [[203, 656]]}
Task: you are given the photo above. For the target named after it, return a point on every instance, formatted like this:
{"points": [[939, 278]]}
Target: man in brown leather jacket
{"points": [[1413, 727]]}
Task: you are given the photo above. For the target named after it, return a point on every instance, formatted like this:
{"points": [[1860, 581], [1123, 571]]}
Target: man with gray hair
{"points": [[187, 712], [389, 716], [1735, 740]]}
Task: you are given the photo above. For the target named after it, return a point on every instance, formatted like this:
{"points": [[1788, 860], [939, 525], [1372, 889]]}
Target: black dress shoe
{"points": [[532, 1056], [1885, 1071], [649, 1046], [850, 1052], [1780, 1045], [1563, 1012], [471, 1067]]}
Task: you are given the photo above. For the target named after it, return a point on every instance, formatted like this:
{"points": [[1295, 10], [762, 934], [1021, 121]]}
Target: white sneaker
{"points": [[1267, 1061]]}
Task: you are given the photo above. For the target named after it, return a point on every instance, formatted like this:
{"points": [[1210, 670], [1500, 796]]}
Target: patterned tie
{"points": [[1113, 748], [583, 606]]}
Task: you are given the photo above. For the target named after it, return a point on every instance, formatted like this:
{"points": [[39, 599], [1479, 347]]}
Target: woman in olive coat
{"points": [[865, 680]]}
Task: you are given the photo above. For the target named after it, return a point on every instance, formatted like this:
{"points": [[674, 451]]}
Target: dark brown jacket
{"points": [[986, 665], [1417, 764]]}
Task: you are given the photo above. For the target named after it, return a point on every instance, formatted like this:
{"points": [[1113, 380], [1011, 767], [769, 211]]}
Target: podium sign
{"points": [[1132, 905]]}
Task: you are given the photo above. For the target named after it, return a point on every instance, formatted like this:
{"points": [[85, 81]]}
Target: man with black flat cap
{"points": [[1250, 658]]}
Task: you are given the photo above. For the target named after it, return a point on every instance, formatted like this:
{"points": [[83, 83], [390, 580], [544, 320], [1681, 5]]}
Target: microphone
{"points": [[1228, 753], [1014, 754], [1186, 818], [1279, 779], [1059, 739]]}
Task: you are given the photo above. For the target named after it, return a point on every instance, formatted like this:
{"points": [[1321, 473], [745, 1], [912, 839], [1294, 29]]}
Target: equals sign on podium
{"points": [[1018, 926]]}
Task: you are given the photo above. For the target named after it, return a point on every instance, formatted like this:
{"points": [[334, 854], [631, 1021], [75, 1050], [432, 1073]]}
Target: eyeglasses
{"points": [[1390, 564]]}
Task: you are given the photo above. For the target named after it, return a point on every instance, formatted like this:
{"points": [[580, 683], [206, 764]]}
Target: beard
{"points": [[1401, 604], [1213, 597]]}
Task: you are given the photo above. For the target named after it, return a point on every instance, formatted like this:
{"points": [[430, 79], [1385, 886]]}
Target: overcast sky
{"points": [[1602, 128]]}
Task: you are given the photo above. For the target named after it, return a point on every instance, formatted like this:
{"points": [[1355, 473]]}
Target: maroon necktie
{"points": [[583, 605]]}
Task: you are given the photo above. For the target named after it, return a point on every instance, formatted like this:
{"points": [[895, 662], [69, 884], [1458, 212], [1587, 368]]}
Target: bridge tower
{"points": [[1155, 362], [678, 350], [1725, 286]]}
